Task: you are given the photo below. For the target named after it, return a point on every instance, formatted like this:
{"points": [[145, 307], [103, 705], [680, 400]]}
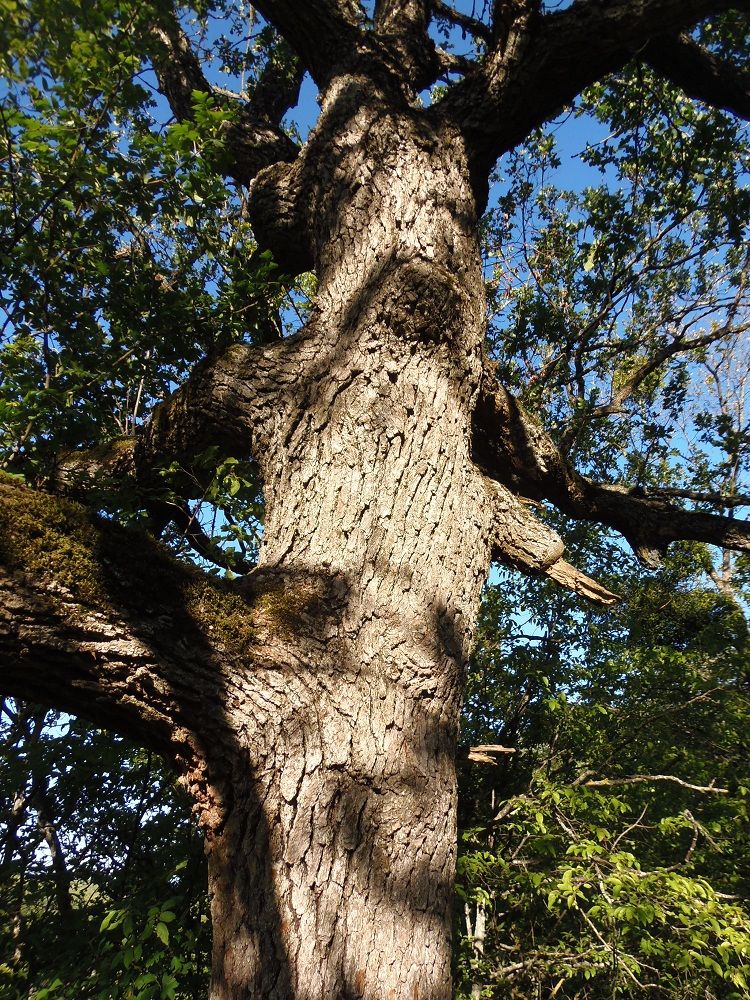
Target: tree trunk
{"points": [[332, 876], [311, 709]]}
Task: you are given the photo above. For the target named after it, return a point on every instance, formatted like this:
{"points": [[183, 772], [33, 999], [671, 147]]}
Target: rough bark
{"points": [[368, 478], [332, 862]]}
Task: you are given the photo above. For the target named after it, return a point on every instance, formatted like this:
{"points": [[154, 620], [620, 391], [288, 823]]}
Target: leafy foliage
{"points": [[103, 890], [607, 856], [127, 256], [610, 854]]}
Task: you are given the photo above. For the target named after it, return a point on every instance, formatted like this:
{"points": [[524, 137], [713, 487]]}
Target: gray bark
{"points": [[372, 495]]}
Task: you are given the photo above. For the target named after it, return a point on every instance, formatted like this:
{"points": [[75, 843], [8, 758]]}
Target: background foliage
{"points": [[606, 854]]}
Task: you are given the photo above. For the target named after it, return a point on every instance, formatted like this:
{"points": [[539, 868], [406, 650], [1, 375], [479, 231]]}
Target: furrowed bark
{"points": [[369, 481], [312, 708], [332, 865]]}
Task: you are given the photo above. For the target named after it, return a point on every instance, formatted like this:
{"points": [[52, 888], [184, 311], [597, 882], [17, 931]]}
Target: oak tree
{"points": [[310, 703]]}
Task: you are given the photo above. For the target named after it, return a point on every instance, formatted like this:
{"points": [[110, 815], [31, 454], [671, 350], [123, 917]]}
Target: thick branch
{"points": [[254, 139], [402, 26], [102, 622], [216, 406], [544, 62], [699, 73], [277, 88], [228, 407], [177, 68], [512, 446], [325, 34], [649, 523], [66, 605], [525, 543], [573, 579]]}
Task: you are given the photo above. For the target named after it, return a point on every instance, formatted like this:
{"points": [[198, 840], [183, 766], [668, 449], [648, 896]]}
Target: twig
{"points": [[645, 779]]}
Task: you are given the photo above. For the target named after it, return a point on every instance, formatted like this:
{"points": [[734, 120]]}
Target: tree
{"points": [[310, 706]]}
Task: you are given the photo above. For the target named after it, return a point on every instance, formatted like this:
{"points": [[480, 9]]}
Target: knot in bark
{"points": [[278, 222]]}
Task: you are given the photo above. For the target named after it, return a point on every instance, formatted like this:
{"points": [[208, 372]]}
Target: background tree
{"points": [[103, 889], [310, 706]]}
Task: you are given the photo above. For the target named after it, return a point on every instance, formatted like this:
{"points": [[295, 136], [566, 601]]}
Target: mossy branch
{"points": [[102, 622]]}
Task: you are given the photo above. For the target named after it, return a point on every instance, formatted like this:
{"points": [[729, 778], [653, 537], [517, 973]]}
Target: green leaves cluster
{"points": [[98, 842], [615, 296], [126, 255], [608, 855]]}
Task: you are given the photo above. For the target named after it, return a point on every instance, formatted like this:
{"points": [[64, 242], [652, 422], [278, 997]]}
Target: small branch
{"points": [[59, 867], [11, 168], [635, 825], [254, 139], [639, 376], [188, 526], [484, 754], [510, 806], [645, 779], [444, 11], [697, 496], [610, 948], [452, 63]]}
